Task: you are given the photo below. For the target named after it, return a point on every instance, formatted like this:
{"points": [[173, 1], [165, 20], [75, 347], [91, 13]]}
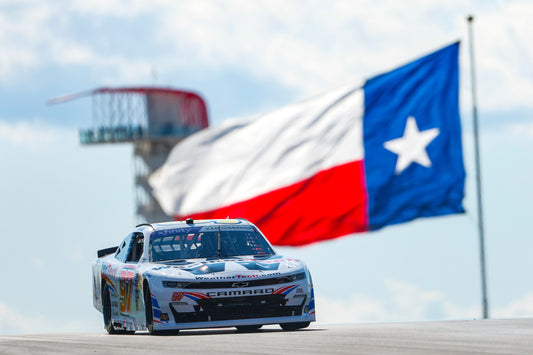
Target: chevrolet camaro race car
{"points": [[200, 274]]}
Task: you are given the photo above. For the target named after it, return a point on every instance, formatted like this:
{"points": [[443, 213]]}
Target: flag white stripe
{"points": [[244, 158]]}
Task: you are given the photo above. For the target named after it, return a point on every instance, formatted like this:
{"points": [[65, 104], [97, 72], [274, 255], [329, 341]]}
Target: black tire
{"points": [[148, 311], [106, 304], [294, 326], [248, 328], [108, 319]]}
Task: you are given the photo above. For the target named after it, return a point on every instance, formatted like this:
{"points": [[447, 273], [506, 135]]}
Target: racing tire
{"points": [[149, 313], [108, 319], [248, 328], [294, 326]]}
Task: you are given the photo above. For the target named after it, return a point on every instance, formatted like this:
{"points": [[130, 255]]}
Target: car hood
{"points": [[226, 268]]}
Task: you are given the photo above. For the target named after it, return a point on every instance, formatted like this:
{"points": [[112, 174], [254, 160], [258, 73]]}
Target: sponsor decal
{"points": [[157, 313], [110, 270], [228, 228], [126, 286], [285, 290], [253, 276], [155, 304], [175, 231], [194, 230], [196, 295], [177, 296], [260, 291], [110, 283]]}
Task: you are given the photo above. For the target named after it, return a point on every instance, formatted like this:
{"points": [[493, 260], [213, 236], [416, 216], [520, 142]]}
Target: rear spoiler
{"points": [[106, 251]]}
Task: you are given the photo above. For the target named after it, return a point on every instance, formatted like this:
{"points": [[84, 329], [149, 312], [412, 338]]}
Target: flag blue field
{"points": [[412, 136]]}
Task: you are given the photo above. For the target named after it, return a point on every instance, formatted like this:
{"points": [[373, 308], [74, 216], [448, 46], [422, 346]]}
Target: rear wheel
{"points": [[248, 328], [108, 319], [294, 326], [106, 303]]}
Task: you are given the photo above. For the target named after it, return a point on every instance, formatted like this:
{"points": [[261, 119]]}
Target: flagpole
{"points": [[485, 304]]}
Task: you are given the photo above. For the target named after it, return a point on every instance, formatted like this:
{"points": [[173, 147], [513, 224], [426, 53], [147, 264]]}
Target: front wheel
{"points": [[148, 311], [294, 326]]}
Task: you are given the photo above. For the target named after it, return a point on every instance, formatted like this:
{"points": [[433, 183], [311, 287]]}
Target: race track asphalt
{"points": [[506, 336]]}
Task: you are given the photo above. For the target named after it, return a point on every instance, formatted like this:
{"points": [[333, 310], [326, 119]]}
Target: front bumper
{"points": [[232, 308], [187, 309]]}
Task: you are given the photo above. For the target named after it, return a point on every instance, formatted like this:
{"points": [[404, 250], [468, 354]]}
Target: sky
{"points": [[61, 202]]}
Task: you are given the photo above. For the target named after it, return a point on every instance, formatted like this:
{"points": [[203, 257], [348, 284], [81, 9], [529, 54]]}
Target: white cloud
{"points": [[307, 47], [515, 135], [116, 8], [504, 54], [407, 302], [15, 322], [522, 307], [12, 322], [19, 38], [520, 130], [323, 45], [33, 136]]}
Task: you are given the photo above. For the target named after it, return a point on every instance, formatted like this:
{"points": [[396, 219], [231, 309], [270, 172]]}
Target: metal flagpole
{"points": [[470, 20]]}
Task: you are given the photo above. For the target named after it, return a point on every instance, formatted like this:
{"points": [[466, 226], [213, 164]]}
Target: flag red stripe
{"points": [[328, 205]]}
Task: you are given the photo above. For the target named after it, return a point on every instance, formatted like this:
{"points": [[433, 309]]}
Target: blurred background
{"points": [[60, 201]]}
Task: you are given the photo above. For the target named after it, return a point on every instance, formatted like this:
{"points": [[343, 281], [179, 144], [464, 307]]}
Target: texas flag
{"points": [[351, 160]]}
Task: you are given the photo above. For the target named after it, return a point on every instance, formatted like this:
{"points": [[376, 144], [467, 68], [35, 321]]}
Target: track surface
{"points": [[452, 337]]}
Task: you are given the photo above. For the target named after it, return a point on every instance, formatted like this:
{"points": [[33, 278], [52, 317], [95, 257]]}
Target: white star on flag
{"points": [[412, 146]]}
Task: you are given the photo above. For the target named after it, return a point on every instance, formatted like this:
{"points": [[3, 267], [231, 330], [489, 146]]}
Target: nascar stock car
{"points": [[164, 277]]}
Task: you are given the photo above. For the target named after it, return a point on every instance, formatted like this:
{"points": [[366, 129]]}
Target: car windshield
{"points": [[203, 242]]}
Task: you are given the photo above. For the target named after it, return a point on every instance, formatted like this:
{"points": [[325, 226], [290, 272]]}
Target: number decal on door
{"points": [[126, 286]]}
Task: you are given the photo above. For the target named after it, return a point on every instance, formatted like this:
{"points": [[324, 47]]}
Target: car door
{"points": [[128, 278], [118, 275]]}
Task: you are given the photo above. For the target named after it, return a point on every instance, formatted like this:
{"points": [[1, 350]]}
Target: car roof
{"points": [[191, 222]]}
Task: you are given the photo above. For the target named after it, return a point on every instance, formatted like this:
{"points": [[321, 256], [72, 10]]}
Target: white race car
{"points": [[200, 274]]}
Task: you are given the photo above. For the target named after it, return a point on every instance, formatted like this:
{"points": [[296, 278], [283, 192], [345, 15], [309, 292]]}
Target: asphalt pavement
{"points": [[506, 336]]}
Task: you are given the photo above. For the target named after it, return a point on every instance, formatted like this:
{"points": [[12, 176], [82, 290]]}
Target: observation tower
{"points": [[153, 119]]}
